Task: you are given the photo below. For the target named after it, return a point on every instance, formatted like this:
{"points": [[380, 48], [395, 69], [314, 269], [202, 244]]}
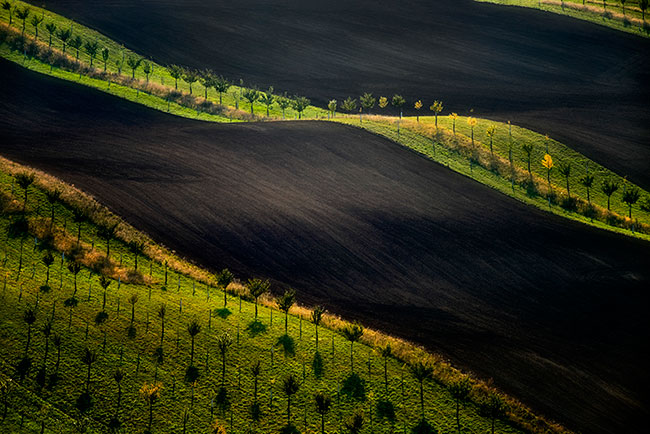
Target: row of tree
{"points": [[256, 288], [206, 77]]}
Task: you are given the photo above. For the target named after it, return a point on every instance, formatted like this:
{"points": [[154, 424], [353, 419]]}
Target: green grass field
{"points": [[609, 13], [185, 406]]}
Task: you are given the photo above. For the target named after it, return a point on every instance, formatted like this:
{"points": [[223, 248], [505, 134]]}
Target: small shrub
{"points": [[569, 203], [613, 220], [590, 212], [530, 187], [626, 22], [607, 15]]}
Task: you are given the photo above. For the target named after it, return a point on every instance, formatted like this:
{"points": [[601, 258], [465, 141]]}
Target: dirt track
{"points": [[555, 312], [584, 84]]}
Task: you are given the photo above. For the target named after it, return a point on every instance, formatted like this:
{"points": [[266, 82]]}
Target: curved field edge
{"points": [[187, 284], [504, 136], [632, 21], [455, 152]]}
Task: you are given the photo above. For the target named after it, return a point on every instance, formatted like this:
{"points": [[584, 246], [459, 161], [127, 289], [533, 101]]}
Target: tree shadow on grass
{"points": [[22, 367], [256, 328], [84, 402], [354, 387], [223, 312], [191, 374], [288, 345]]}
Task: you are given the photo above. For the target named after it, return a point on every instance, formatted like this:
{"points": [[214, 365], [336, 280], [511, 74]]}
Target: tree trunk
{"points": [[568, 190], [119, 399], [386, 373], [29, 339], [322, 423], [286, 323], [162, 333], [422, 397], [223, 368], [150, 414], [289, 409], [192, 353], [316, 337], [47, 349], [88, 380], [58, 360]]}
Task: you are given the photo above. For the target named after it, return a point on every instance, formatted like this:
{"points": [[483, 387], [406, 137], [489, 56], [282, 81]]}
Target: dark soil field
{"points": [[583, 84], [554, 311]]}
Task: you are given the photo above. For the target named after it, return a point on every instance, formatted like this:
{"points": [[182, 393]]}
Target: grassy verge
{"points": [[35, 398], [608, 13], [117, 66], [494, 168]]}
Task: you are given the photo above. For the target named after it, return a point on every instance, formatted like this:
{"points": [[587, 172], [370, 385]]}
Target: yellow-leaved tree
{"points": [[436, 108], [418, 106], [383, 102], [472, 123], [453, 117], [547, 162], [490, 133]]}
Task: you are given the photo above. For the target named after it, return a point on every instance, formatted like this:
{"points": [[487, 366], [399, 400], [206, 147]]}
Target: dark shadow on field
{"points": [[256, 327], [288, 345], [224, 312]]}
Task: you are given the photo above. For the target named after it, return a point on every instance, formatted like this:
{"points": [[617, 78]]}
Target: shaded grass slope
{"points": [[544, 306], [583, 84], [65, 338]]}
